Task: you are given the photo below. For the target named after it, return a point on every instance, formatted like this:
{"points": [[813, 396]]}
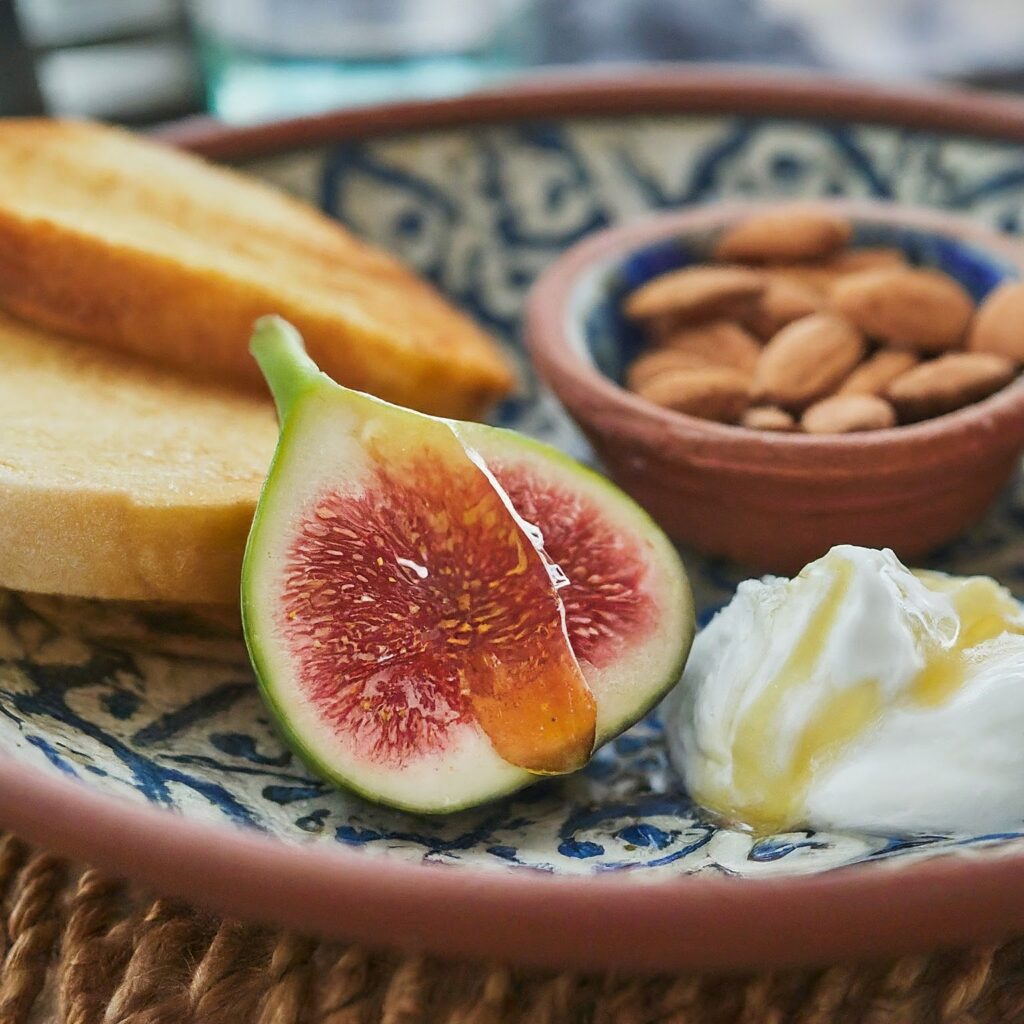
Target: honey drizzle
{"points": [[985, 612], [768, 797]]}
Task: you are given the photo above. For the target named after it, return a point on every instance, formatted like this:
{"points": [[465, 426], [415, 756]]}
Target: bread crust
{"points": [[119, 241]]}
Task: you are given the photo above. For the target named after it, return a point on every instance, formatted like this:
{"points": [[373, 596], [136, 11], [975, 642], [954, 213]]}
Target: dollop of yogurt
{"points": [[857, 696]]}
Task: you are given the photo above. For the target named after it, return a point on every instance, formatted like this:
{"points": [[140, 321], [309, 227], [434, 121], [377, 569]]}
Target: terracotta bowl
{"points": [[773, 501]]}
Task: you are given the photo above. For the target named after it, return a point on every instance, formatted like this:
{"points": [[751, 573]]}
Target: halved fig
{"points": [[439, 612]]}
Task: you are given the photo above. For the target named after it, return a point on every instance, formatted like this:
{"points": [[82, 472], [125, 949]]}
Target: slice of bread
{"points": [[128, 243], [119, 479]]}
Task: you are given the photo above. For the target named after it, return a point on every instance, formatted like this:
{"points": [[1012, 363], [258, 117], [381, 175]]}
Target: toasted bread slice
{"points": [[121, 480], [131, 244]]}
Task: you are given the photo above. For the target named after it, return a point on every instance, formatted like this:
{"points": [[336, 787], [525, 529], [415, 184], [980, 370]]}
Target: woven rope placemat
{"points": [[82, 948]]}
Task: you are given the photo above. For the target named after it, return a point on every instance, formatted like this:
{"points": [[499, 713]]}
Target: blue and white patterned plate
{"points": [[480, 210]]}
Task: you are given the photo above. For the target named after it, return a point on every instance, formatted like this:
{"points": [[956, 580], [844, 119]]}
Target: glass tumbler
{"points": [[264, 59]]}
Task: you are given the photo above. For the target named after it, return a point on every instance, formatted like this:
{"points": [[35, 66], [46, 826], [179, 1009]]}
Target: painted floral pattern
{"points": [[481, 213]]}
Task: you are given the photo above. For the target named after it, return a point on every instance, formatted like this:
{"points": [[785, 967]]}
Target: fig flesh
{"points": [[439, 612]]}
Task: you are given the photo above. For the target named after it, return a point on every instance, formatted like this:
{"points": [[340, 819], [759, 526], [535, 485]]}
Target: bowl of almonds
{"points": [[771, 379]]}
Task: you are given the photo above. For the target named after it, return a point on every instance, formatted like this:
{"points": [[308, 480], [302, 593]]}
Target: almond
{"points": [[768, 417], [999, 325], [806, 360], [719, 343], [783, 301], [923, 310], [695, 293], [787, 234], [712, 392], [873, 376], [660, 328], [817, 277], [869, 258], [947, 383], [651, 364], [847, 414]]}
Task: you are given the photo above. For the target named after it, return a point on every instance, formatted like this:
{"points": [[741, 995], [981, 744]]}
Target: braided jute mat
{"points": [[79, 947]]}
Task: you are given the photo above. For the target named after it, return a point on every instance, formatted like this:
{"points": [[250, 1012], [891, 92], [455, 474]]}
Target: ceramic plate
{"points": [[152, 755]]}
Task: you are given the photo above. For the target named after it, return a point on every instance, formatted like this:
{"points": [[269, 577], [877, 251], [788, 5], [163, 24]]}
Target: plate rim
{"points": [[613, 921], [626, 89]]}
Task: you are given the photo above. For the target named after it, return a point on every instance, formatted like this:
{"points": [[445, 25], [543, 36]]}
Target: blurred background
{"points": [[147, 61]]}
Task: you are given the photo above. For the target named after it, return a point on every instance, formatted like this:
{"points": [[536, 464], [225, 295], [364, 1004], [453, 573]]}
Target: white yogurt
{"points": [[857, 696]]}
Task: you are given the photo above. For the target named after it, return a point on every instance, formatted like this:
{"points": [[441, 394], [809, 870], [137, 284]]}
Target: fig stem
{"points": [[278, 349]]}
